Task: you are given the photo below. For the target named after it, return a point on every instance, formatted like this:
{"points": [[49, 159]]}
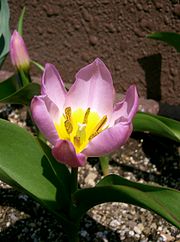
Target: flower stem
{"points": [[104, 163], [24, 77], [37, 65], [73, 236], [74, 179], [72, 231]]}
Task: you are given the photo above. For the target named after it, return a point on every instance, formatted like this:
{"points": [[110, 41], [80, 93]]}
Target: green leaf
{"points": [[11, 93], [9, 86], [113, 188], [157, 125], [21, 160], [20, 22], [60, 173], [4, 30], [170, 38], [25, 165], [4, 177]]}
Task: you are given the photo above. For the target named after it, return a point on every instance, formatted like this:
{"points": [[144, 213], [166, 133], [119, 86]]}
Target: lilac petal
{"points": [[52, 109], [125, 110], [42, 117], [93, 88], [65, 153], [52, 86], [108, 141]]}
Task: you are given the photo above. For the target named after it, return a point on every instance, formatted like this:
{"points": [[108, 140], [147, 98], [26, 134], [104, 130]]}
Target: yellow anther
{"points": [[67, 122], [98, 127], [68, 113], [86, 116], [68, 126], [93, 135], [101, 123]]}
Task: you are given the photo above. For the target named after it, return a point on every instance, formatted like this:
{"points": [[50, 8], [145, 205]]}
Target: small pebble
{"points": [[137, 230], [114, 223]]}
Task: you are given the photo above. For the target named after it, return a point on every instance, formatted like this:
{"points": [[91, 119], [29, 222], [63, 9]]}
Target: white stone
{"points": [[131, 233], [114, 223], [137, 230]]}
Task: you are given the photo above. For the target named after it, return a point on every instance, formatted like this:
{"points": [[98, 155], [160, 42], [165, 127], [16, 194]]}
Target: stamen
{"points": [[67, 122], [93, 135], [68, 113], [86, 116], [68, 126], [98, 127], [101, 123]]}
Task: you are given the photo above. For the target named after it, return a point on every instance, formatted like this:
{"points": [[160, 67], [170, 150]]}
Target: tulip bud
{"points": [[18, 52]]}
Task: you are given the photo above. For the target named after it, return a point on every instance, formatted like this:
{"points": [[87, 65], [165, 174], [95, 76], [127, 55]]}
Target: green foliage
{"points": [[158, 125], [11, 93], [113, 188], [170, 38], [4, 30], [28, 167], [20, 22], [60, 173]]}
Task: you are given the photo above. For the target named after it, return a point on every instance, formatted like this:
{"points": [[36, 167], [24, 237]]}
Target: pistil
{"points": [[80, 136]]}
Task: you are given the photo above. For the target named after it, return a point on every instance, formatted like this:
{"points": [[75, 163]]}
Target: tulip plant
{"points": [[79, 123]]}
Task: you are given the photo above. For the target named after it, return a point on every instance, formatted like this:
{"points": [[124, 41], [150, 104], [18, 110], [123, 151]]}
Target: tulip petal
{"points": [[52, 86], [93, 88], [125, 110], [42, 117], [108, 141], [65, 153]]}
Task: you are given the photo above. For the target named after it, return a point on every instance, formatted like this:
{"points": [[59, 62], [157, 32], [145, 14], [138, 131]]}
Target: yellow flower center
{"points": [[80, 126]]}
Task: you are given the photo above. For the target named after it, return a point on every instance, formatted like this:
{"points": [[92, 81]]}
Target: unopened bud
{"points": [[18, 52]]}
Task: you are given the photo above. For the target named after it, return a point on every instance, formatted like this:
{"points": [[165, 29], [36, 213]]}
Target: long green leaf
{"points": [[20, 22], [157, 125], [113, 188], [11, 93], [170, 38], [4, 30], [24, 165], [60, 173], [4, 177], [8, 87]]}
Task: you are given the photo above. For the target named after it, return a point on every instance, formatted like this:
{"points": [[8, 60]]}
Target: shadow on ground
{"points": [[161, 152], [38, 224]]}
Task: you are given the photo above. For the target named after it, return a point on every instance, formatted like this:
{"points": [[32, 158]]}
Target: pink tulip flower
{"points": [[18, 52], [83, 122]]}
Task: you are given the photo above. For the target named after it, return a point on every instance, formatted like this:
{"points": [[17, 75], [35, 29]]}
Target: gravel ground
{"points": [[144, 158]]}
